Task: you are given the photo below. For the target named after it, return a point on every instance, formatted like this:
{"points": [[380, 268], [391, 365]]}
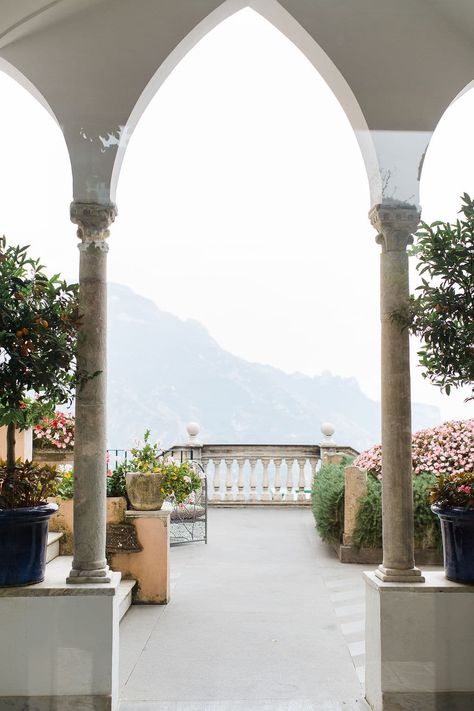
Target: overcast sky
{"points": [[242, 203]]}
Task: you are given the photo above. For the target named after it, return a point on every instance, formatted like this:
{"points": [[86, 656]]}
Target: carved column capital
{"points": [[395, 225], [93, 221]]}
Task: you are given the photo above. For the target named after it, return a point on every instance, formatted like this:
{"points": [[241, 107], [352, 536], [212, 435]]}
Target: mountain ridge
{"points": [[165, 371]]}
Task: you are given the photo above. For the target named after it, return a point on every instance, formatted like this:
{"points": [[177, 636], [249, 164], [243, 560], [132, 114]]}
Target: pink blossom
{"points": [[446, 449]]}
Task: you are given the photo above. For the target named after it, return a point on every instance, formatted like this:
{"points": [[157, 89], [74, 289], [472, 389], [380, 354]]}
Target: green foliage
{"points": [[328, 502], [27, 484], [116, 480], [453, 490], [146, 459], [368, 531], [66, 485], [427, 527], [38, 337], [179, 480], [442, 312]]}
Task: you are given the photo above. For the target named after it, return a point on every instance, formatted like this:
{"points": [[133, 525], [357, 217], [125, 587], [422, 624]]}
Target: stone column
{"points": [[395, 225], [89, 563]]}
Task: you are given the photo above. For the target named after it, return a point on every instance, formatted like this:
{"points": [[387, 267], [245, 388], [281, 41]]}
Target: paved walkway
{"points": [[263, 618]]}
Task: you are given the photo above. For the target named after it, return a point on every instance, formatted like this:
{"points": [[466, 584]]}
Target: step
{"points": [[125, 596], [62, 565], [52, 550]]}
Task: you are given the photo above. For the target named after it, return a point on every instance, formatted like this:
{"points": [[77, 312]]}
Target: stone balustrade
{"points": [[275, 474]]}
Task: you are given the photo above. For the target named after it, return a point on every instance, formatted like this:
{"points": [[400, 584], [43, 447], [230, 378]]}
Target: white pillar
{"points": [[89, 563], [395, 225]]}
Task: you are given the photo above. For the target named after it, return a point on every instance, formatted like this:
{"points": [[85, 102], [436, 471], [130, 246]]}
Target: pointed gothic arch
{"points": [[283, 21]]}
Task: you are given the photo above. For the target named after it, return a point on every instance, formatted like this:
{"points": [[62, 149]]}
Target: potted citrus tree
{"points": [[151, 477], [38, 335]]}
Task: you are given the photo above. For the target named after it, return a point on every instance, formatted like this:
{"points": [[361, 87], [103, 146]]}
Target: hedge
{"points": [[328, 510]]}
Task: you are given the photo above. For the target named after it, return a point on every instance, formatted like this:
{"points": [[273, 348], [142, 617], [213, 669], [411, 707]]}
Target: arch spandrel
{"points": [[95, 60]]}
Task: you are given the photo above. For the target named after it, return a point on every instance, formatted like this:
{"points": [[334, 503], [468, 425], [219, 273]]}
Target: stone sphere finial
{"points": [[328, 430], [193, 430]]}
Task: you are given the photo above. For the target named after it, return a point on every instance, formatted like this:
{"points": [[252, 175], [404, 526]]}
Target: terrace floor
{"points": [[263, 618]]}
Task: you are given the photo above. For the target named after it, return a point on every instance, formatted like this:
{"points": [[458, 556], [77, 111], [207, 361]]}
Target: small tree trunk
{"points": [[11, 445]]}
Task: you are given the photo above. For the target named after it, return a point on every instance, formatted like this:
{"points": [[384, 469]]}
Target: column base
{"points": [[79, 577], [397, 575]]}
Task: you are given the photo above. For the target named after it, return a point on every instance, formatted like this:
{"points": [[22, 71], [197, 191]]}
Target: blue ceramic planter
{"points": [[23, 542], [457, 528]]}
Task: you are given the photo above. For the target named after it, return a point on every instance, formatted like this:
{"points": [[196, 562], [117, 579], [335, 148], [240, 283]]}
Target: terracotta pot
{"points": [[144, 491]]}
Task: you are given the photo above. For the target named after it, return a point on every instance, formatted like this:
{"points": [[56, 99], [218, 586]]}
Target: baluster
{"points": [[253, 479], [205, 466], [266, 496], [289, 480], [301, 480], [277, 485], [240, 480], [313, 463], [216, 482], [228, 480]]}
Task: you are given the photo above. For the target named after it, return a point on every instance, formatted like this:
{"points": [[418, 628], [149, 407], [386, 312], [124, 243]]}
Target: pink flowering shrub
{"points": [[55, 432], [445, 449]]}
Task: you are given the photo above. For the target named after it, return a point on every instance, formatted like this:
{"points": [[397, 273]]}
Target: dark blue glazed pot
{"points": [[457, 528], [23, 542]]}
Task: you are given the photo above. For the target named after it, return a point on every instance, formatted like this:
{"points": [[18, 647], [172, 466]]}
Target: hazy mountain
{"points": [[165, 372]]}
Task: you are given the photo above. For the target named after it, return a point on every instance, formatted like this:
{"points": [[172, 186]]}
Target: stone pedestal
{"points": [[60, 645], [150, 567], [419, 645], [355, 487]]}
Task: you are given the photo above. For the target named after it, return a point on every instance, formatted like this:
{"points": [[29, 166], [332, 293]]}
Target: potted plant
{"points": [[38, 336], [452, 499], [151, 477], [24, 516]]}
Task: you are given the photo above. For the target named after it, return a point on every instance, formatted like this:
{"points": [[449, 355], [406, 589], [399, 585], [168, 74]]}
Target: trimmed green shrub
{"points": [[368, 531], [328, 501], [427, 524]]}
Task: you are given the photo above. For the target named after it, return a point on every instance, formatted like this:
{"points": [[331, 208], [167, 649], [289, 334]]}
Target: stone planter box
{"points": [[63, 519], [53, 456], [355, 488]]}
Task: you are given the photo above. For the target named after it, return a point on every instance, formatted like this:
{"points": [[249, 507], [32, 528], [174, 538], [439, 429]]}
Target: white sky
{"points": [[242, 202]]}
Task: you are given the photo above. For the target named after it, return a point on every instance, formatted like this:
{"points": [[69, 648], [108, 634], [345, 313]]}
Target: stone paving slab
{"points": [[251, 623]]}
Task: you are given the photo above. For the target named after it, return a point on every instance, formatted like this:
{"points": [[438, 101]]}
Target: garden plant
{"points": [[441, 312], [39, 322]]}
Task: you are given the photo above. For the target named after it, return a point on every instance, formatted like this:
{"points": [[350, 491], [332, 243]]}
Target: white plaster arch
{"points": [[28, 85], [468, 87], [282, 20], [23, 81]]}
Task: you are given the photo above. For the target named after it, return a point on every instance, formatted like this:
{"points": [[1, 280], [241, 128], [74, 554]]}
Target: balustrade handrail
{"points": [[260, 473]]}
